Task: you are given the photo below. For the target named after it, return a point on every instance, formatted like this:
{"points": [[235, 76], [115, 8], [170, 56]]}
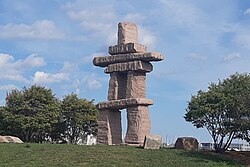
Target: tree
{"points": [[237, 89], [79, 117], [32, 112], [3, 129], [223, 110], [8, 123]]}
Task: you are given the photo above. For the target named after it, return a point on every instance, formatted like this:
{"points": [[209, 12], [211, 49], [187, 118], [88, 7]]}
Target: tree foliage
{"points": [[79, 117], [31, 113], [35, 115], [223, 110]]}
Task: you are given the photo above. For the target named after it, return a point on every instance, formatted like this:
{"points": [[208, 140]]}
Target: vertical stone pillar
{"points": [[138, 116], [127, 33], [104, 135], [117, 85], [113, 87], [136, 84], [122, 85], [138, 124], [115, 126], [109, 127]]}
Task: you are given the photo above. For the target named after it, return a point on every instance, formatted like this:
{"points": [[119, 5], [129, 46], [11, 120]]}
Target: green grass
{"points": [[74, 155]]}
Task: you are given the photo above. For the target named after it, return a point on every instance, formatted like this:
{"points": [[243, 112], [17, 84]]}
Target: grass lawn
{"points": [[74, 155]]}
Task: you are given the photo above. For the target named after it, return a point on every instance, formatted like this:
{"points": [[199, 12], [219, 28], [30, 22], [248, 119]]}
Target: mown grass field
{"points": [[32, 155]]}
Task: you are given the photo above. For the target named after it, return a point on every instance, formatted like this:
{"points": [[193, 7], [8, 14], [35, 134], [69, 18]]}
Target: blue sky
{"points": [[52, 43]]}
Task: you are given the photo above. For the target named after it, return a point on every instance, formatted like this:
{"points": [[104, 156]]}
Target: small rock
{"points": [[187, 143], [152, 142]]}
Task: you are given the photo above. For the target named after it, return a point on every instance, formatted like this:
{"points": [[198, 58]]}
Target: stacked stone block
{"points": [[127, 65]]}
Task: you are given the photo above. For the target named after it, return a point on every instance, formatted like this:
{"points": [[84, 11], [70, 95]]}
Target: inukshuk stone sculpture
{"points": [[127, 65]]}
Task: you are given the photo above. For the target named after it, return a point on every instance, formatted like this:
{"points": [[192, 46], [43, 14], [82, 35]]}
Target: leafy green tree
{"points": [[223, 110], [3, 129], [237, 89], [79, 116], [32, 112]]}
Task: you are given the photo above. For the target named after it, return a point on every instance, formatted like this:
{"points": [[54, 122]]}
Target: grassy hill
{"points": [[75, 155]]}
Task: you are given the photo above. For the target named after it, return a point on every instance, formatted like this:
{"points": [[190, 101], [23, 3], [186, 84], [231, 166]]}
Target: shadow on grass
{"points": [[139, 147], [206, 156]]}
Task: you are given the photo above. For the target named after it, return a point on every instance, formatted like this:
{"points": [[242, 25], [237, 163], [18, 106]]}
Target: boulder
{"points": [[3, 140], [152, 142], [187, 143], [10, 139], [13, 139]]}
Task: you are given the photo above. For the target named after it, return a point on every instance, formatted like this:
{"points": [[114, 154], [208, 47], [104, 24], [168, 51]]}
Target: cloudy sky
{"points": [[52, 43]]}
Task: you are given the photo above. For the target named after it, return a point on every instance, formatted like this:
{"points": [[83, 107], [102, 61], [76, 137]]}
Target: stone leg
{"points": [[115, 126], [109, 127], [103, 135], [136, 84], [138, 124]]}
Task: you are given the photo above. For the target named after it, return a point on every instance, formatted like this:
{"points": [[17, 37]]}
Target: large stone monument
{"points": [[127, 65]]}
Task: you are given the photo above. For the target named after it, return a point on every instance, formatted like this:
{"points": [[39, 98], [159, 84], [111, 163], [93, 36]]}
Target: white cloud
{"points": [[99, 20], [33, 61], [231, 57], [12, 70], [79, 38], [94, 84], [7, 61], [41, 29], [89, 59], [69, 67], [192, 20], [146, 38], [247, 11], [91, 18], [13, 76], [5, 58], [243, 37], [43, 78], [91, 25], [8, 87], [195, 56], [100, 13], [134, 17], [77, 91], [181, 12], [89, 81]]}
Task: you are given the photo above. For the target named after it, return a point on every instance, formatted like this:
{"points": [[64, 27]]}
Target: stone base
{"points": [[138, 124]]}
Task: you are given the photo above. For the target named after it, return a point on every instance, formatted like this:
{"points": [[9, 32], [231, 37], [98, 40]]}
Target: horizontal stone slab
{"points": [[127, 48], [130, 66], [124, 103], [104, 61]]}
